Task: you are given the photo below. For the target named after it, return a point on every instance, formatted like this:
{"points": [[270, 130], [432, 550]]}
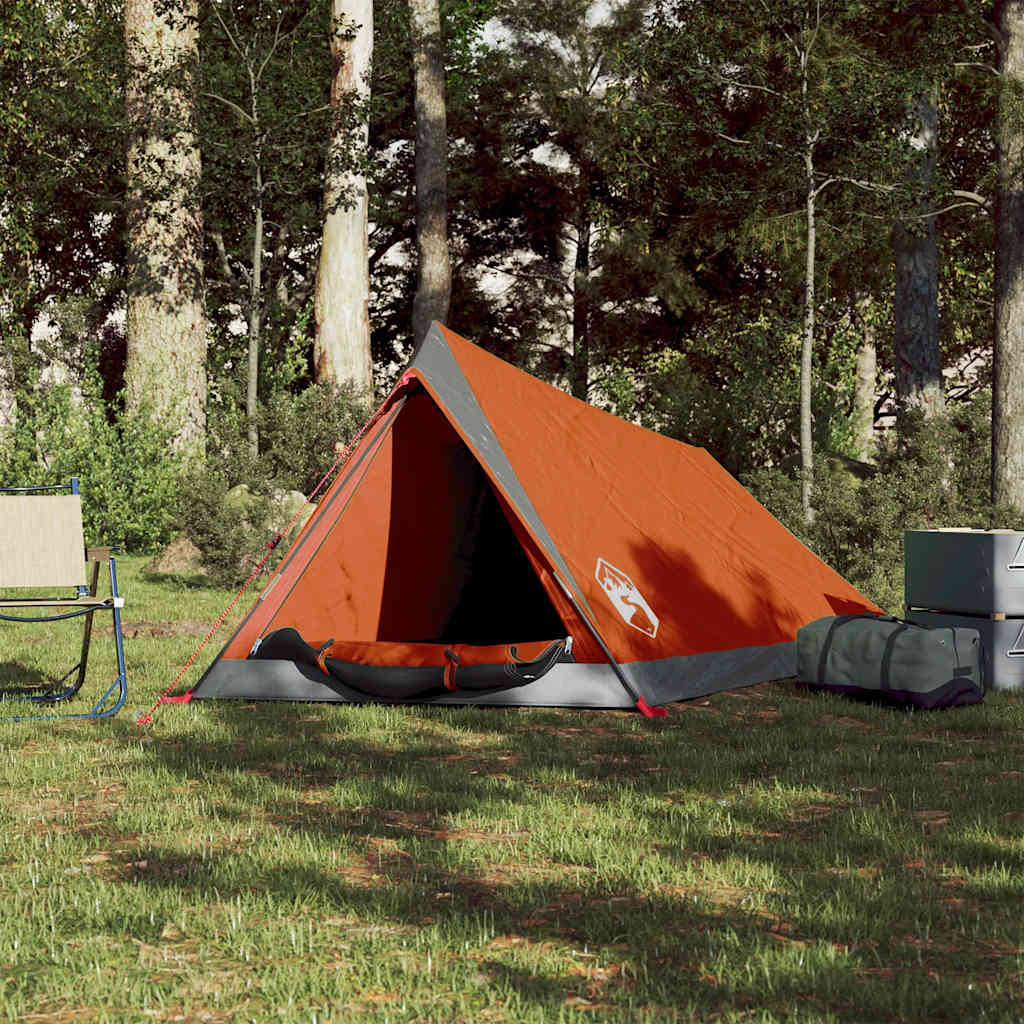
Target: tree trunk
{"points": [[1008, 353], [434, 284], [580, 382], [341, 351], [255, 315], [864, 384], [916, 351], [165, 369], [807, 348]]}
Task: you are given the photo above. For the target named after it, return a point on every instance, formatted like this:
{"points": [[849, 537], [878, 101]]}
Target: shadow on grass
{"points": [[182, 580], [15, 674], [834, 888], [20, 682]]}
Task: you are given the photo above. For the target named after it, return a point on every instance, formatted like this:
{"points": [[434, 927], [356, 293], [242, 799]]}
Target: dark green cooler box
{"points": [[965, 572], [895, 661], [971, 579]]}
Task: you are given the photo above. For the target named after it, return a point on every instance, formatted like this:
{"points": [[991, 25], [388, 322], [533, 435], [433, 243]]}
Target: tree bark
{"points": [[341, 351], [165, 369], [255, 313], [434, 284], [807, 347], [864, 384], [580, 382], [917, 356], [1008, 352]]}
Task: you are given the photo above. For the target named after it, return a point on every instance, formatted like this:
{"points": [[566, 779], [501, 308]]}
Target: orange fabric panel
{"points": [[673, 556], [426, 655], [388, 569], [341, 594]]}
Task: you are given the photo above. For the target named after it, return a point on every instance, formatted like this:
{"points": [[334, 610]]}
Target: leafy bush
{"points": [[231, 530], [936, 477], [128, 470], [298, 435], [735, 391]]}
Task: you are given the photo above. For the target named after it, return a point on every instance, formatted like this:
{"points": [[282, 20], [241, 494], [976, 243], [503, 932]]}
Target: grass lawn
{"points": [[765, 854]]}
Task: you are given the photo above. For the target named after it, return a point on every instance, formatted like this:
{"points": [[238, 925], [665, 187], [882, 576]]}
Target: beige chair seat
{"points": [[42, 550]]}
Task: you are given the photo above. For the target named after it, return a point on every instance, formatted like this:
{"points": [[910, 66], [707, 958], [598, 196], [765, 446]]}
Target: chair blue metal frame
{"points": [[85, 601]]}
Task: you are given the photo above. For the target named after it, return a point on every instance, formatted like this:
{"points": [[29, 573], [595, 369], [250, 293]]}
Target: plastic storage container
{"points": [[1003, 640], [977, 572]]}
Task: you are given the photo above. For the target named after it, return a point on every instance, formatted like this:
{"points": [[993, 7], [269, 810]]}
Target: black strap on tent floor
{"points": [[411, 682]]}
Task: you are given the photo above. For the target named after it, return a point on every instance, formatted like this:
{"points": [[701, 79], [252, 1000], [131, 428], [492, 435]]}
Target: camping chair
{"points": [[41, 549]]}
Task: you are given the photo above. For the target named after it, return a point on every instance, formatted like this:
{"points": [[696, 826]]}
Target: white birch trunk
{"points": [[807, 349], [916, 352], [255, 318], [341, 351], [864, 384], [810, 309]]}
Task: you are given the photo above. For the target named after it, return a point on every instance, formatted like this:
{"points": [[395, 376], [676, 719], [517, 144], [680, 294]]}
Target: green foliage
{"points": [[128, 471], [231, 528], [299, 434], [733, 389], [938, 477], [61, 152], [298, 438], [264, 120]]}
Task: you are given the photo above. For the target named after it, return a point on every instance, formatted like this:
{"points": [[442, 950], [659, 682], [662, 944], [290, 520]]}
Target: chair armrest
{"points": [[97, 554]]}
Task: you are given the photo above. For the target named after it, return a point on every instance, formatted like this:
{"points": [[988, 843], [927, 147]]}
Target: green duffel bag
{"points": [[895, 661]]}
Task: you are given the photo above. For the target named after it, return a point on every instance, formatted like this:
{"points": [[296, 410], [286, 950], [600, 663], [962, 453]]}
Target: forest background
{"points": [[789, 231]]}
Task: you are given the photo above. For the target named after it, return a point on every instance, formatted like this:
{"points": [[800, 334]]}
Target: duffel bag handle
{"points": [[841, 620]]}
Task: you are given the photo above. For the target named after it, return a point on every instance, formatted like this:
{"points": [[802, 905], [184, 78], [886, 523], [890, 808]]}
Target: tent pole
{"points": [[642, 706]]}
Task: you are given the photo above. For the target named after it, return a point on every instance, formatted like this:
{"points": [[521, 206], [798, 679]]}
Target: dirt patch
{"points": [[844, 721], [932, 820], [133, 630]]}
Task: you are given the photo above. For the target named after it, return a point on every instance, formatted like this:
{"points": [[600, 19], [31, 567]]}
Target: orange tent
{"points": [[493, 540]]}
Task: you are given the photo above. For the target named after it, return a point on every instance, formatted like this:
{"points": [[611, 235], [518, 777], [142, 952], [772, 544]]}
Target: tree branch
{"points": [[222, 254], [867, 186], [378, 250], [234, 106], [725, 80], [977, 64], [227, 32], [991, 29], [273, 46], [526, 276], [747, 142]]}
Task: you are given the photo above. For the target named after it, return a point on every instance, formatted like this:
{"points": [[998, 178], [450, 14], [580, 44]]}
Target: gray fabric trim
{"points": [[695, 675], [437, 364], [566, 685]]}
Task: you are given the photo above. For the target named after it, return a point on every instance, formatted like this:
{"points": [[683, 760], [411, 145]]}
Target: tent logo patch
{"points": [[626, 599]]}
